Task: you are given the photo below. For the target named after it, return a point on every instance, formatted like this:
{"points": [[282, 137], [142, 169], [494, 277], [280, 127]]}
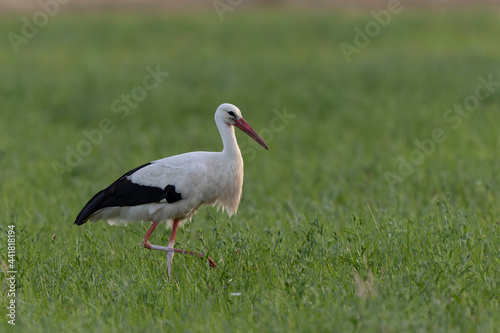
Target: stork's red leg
{"points": [[146, 242], [173, 234], [170, 248]]}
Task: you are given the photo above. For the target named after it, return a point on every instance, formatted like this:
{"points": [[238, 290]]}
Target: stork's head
{"points": [[231, 115]]}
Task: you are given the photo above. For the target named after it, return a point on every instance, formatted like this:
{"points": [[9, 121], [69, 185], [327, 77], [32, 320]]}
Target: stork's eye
{"points": [[231, 113]]}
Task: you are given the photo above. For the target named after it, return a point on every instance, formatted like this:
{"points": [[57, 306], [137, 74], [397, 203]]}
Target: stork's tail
{"points": [[90, 208]]}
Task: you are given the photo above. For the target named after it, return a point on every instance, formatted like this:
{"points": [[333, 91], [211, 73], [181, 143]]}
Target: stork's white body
{"points": [[210, 178]]}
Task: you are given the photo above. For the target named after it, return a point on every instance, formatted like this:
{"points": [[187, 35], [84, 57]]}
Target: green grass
{"points": [[321, 242]]}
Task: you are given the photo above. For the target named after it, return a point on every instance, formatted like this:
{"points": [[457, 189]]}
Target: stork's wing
{"points": [[125, 192]]}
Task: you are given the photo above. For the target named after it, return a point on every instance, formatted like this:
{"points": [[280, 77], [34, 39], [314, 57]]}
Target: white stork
{"points": [[172, 189]]}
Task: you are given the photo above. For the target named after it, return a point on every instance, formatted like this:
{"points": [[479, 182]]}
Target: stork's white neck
{"points": [[228, 138], [230, 169]]}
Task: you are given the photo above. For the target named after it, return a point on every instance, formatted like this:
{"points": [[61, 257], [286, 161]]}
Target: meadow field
{"points": [[377, 208]]}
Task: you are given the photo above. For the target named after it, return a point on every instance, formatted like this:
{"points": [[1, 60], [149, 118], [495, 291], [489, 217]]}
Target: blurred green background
{"points": [[325, 242]]}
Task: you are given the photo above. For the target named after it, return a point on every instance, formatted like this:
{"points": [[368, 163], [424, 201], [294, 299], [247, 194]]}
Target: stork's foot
{"points": [[167, 249]]}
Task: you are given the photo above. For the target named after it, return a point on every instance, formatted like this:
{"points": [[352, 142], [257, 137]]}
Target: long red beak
{"points": [[245, 127]]}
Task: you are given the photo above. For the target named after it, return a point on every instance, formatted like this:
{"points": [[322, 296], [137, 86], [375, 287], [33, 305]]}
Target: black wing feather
{"points": [[124, 192]]}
